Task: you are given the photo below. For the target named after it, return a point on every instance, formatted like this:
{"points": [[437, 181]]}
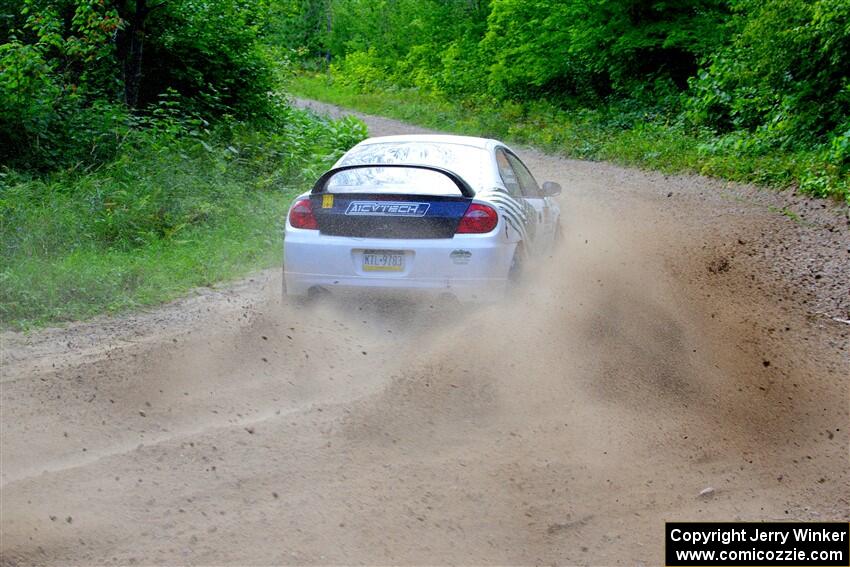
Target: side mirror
{"points": [[551, 189]]}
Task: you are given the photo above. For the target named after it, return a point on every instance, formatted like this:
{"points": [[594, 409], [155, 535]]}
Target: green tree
{"points": [[302, 26], [785, 74], [70, 70], [581, 47]]}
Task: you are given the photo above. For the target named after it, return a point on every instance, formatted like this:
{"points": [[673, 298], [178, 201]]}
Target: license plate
{"points": [[382, 261]]}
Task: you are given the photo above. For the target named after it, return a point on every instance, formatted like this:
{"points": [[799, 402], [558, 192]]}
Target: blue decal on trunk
{"points": [[387, 209]]}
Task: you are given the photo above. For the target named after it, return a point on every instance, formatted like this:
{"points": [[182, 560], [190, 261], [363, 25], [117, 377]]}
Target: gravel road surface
{"points": [[688, 335]]}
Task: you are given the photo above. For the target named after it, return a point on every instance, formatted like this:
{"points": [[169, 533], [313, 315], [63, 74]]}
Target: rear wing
{"points": [[321, 184]]}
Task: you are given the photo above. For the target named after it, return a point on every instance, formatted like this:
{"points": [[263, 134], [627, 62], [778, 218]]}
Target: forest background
{"points": [[148, 147]]}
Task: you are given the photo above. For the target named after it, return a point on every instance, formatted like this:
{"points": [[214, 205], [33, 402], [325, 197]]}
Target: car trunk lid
{"points": [[390, 201]]}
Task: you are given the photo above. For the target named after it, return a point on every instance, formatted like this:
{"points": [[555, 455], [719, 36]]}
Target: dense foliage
{"points": [[145, 148], [785, 75], [182, 204], [744, 77], [71, 70]]}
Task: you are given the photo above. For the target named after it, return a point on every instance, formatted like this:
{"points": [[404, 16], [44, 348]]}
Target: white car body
{"points": [[405, 241]]}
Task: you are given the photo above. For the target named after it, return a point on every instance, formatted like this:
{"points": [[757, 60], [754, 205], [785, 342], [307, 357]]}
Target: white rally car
{"points": [[441, 214]]}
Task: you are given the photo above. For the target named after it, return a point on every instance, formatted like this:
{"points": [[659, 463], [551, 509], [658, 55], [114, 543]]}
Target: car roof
{"points": [[483, 143]]}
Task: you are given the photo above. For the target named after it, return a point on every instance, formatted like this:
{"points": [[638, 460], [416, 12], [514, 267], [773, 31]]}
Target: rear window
{"points": [[467, 161], [404, 180]]}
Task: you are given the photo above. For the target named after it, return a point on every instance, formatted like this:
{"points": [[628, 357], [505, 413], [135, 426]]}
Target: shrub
{"points": [[183, 203], [783, 76], [362, 70]]}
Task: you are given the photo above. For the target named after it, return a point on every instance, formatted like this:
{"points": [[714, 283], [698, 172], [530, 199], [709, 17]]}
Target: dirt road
{"points": [[687, 336]]}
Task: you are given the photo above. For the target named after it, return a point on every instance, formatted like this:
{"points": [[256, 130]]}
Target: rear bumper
{"points": [[469, 267]]}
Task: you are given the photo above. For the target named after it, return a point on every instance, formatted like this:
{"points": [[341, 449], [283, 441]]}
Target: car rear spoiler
{"points": [[465, 190]]}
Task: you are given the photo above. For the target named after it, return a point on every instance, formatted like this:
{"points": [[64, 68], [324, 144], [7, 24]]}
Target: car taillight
{"points": [[301, 215], [478, 219]]}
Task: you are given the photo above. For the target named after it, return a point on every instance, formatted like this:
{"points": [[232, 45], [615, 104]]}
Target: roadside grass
{"points": [[610, 134], [38, 289], [173, 211]]}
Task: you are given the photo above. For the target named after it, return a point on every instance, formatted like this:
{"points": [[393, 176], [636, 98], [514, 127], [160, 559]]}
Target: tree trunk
{"points": [[135, 49], [329, 9], [133, 55]]}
